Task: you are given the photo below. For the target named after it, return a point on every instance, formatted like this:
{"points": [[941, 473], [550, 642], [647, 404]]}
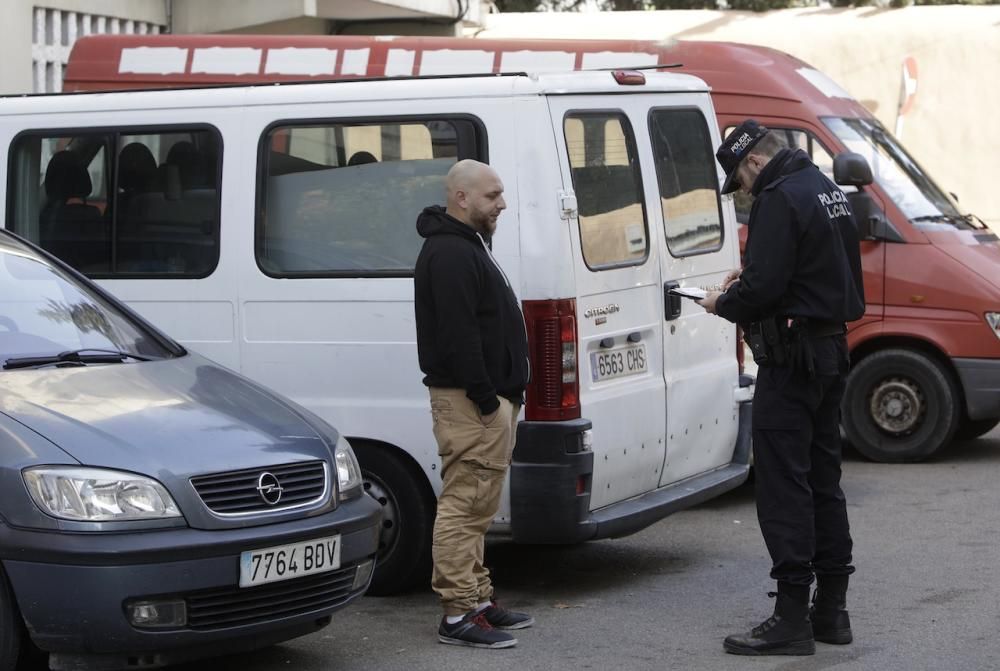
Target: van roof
{"points": [[403, 88], [752, 71], [147, 61]]}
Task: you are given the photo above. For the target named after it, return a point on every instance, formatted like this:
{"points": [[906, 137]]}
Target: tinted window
{"points": [[605, 173], [120, 203], [689, 186], [43, 312], [344, 197]]}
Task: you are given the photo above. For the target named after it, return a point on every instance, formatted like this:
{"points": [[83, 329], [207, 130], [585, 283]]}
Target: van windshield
{"points": [[911, 189], [45, 313]]}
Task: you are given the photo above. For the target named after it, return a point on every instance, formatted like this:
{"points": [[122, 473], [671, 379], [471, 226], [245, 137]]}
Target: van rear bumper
{"points": [[981, 385], [550, 478]]}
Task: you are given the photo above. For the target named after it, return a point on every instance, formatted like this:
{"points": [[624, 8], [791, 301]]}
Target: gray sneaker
{"points": [[474, 631], [501, 618]]}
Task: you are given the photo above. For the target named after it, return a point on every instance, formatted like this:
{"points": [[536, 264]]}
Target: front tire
{"points": [[900, 405], [404, 553], [12, 631]]}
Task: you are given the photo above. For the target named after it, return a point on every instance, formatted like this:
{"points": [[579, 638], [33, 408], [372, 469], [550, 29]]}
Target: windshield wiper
{"points": [[975, 221], [969, 220], [950, 218], [74, 356]]}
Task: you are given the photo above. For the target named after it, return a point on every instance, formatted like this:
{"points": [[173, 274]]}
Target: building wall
{"points": [[37, 35], [15, 36], [349, 16], [957, 49]]}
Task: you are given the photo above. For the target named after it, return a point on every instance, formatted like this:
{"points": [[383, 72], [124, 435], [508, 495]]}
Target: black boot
{"points": [[787, 632], [830, 621]]}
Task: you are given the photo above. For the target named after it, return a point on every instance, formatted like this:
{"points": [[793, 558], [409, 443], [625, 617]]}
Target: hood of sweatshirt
{"points": [[435, 221]]}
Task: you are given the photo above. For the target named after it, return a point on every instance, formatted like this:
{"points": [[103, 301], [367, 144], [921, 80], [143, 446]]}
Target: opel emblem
{"points": [[269, 488]]}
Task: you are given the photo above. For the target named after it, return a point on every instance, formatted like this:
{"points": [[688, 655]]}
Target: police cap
{"points": [[735, 148]]}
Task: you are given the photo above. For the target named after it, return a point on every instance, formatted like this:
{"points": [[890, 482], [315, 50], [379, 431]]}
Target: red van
{"points": [[927, 352]]}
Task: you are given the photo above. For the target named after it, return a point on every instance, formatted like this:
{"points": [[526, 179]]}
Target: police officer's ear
{"points": [[757, 161]]}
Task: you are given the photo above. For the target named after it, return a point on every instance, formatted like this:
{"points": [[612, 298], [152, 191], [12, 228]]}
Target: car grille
{"points": [[236, 493], [233, 606]]}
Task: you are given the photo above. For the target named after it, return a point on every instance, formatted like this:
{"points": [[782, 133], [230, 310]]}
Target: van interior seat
{"points": [[136, 168], [69, 227], [172, 228]]}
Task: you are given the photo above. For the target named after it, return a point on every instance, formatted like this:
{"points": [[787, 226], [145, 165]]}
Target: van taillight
{"points": [[554, 390]]}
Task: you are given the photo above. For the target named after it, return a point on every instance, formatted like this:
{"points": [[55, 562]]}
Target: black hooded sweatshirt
{"points": [[470, 329], [802, 255]]}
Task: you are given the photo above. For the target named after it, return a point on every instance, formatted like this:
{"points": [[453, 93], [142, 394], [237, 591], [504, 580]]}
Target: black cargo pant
{"points": [[797, 456]]}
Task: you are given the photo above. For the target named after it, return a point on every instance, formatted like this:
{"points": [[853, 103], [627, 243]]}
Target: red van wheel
{"points": [[900, 405]]}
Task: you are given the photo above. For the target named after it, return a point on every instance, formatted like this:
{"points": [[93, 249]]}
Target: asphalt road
{"points": [[926, 594]]}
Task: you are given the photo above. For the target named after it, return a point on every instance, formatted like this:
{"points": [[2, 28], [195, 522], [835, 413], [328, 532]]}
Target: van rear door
{"points": [[617, 274], [697, 249]]}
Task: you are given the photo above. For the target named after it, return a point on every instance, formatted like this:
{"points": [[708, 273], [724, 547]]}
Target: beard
{"points": [[485, 223]]}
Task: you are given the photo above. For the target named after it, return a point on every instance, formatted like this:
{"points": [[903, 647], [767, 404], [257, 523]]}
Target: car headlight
{"points": [[993, 319], [348, 470], [98, 494]]}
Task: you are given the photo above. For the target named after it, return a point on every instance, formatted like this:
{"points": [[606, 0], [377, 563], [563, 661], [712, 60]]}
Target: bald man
{"points": [[474, 354]]}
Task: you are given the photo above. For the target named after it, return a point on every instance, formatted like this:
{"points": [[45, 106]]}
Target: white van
{"points": [[271, 228]]}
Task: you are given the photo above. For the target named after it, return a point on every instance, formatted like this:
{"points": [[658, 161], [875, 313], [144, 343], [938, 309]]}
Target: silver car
{"points": [[154, 506]]}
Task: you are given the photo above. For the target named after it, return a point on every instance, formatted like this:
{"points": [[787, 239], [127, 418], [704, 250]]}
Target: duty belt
{"points": [[818, 329]]}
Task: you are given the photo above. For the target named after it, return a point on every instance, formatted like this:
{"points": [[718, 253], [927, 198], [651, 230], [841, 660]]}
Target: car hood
{"points": [[168, 419], [981, 256]]}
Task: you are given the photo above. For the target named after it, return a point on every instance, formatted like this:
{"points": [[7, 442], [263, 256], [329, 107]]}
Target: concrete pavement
{"points": [[926, 594]]}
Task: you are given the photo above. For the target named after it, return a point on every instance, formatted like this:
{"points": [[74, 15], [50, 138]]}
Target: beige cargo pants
{"points": [[474, 461]]}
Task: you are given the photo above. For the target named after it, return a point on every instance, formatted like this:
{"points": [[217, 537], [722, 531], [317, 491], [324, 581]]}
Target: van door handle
{"points": [[671, 302]]}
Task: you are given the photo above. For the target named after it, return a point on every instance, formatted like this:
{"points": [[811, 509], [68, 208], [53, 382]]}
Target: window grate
{"points": [[56, 31]]}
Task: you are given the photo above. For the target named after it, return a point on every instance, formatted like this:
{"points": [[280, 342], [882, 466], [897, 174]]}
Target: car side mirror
{"points": [[851, 169]]}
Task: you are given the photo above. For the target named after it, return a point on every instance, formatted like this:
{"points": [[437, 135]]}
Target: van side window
{"points": [[606, 179], [796, 139], [343, 198], [120, 203], [689, 188]]}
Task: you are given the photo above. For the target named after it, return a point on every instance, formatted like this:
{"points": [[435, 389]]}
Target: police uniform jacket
{"points": [[802, 257]]}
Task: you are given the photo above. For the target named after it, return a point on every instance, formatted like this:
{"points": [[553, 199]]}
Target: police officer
{"points": [[800, 283]]}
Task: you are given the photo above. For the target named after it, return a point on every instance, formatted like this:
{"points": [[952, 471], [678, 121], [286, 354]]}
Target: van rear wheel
{"points": [[404, 552], [900, 405]]}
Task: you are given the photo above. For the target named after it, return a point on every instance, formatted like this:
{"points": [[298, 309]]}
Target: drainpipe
{"points": [[169, 9]]}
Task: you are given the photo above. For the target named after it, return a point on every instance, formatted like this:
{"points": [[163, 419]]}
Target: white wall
{"points": [[950, 130], [309, 17], [15, 52], [153, 11], [199, 16]]}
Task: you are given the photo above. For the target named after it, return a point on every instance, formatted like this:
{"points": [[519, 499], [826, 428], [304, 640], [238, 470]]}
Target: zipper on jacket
{"points": [[524, 326]]}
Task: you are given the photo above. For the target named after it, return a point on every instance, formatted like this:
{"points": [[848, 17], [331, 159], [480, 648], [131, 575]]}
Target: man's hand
{"points": [[732, 278], [488, 419], [708, 302]]}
